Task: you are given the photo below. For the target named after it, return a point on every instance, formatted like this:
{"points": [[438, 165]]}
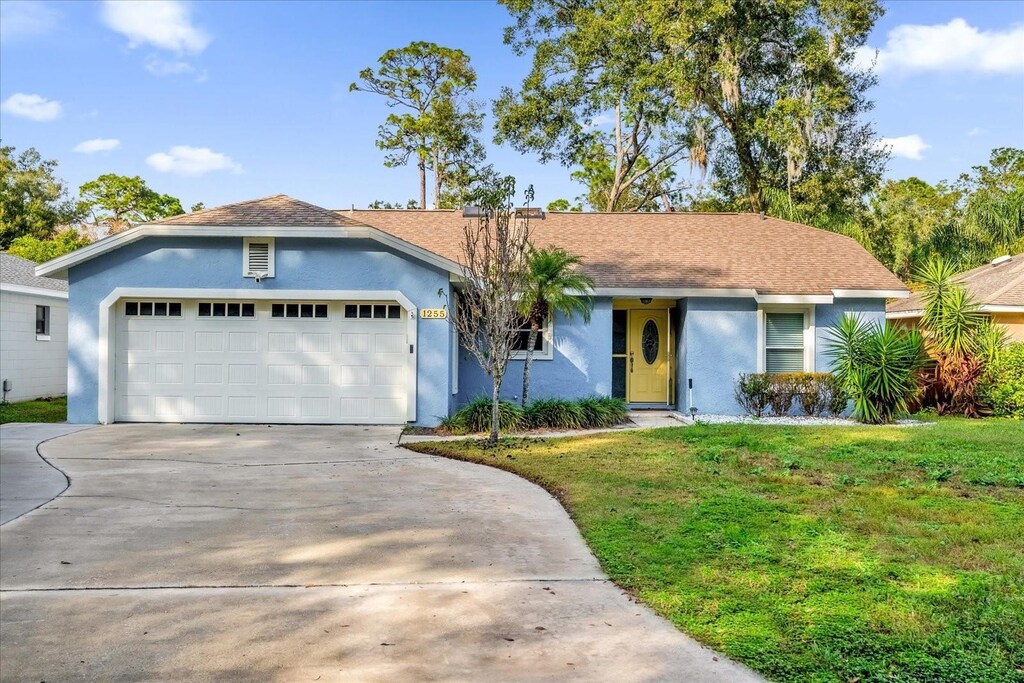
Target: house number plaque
{"points": [[433, 313]]}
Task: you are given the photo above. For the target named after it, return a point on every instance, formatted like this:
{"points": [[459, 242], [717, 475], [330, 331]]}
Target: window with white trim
{"points": [[541, 348], [258, 257], [227, 309], [785, 348], [43, 323]]}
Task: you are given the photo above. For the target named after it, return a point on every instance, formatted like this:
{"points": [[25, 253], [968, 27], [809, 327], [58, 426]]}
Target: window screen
{"points": [[784, 342]]}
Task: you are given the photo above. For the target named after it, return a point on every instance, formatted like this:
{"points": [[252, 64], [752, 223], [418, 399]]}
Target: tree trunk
{"points": [[495, 402], [438, 179], [422, 166], [531, 342]]}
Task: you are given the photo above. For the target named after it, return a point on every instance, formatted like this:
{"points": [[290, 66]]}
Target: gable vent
{"points": [[258, 257]]}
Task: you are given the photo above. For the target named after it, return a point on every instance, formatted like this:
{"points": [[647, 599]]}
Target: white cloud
{"points": [[35, 107], [166, 24], [191, 161], [161, 67], [906, 146], [956, 46], [974, 132], [97, 145], [27, 18]]}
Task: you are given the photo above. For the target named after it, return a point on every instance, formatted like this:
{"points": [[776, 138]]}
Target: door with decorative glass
{"points": [[647, 362]]}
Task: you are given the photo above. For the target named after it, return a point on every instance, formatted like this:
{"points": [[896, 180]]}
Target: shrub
{"points": [[782, 389], [554, 413], [1002, 385], [603, 411], [878, 365], [476, 417], [753, 391], [819, 393]]}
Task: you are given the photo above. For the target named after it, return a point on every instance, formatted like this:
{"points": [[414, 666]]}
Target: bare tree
{"points": [[495, 263]]}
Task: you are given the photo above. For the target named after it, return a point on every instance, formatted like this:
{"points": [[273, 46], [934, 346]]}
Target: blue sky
{"points": [[220, 102]]}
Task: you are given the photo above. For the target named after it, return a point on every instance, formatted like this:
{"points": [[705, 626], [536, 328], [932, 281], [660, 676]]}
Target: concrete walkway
{"points": [[26, 481], [187, 552]]}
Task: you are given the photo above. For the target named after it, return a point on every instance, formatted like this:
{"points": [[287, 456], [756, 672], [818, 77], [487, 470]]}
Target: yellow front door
{"points": [[648, 356]]}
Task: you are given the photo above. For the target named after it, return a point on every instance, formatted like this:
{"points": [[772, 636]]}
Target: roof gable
{"points": [[1000, 283], [279, 211]]}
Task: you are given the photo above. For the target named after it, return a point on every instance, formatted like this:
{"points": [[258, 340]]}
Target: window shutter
{"points": [[259, 257], [784, 342]]}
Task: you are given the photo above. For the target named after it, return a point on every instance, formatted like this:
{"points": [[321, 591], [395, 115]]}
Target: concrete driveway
{"points": [[311, 553]]}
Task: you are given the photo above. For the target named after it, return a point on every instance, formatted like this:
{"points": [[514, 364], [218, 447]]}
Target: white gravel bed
{"points": [[800, 421]]}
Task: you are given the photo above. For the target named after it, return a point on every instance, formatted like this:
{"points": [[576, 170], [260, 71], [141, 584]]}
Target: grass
{"points": [[40, 410], [809, 554]]}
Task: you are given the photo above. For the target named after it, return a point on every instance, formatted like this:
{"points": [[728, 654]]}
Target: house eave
{"points": [[34, 291]]}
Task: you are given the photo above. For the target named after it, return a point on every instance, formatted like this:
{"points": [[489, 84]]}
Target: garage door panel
{"points": [[222, 369]]}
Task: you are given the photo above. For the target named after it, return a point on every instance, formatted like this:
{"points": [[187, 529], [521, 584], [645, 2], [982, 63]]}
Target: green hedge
{"points": [[587, 413], [1002, 385], [815, 393]]}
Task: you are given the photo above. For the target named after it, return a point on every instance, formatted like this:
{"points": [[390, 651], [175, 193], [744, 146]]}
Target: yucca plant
{"points": [[878, 365], [959, 337]]}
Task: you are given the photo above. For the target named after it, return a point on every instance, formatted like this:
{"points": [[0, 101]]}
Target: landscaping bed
{"points": [[812, 553]]}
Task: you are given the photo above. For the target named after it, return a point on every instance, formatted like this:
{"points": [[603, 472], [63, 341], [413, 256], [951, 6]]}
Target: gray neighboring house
{"points": [[33, 331], [276, 310]]}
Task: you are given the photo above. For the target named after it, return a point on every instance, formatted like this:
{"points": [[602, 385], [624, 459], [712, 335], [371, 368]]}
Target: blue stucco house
{"points": [[275, 310]]}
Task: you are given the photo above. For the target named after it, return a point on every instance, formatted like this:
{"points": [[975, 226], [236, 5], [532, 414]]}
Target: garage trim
{"points": [[107, 311]]}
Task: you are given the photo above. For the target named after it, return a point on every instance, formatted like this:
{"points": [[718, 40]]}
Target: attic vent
{"points": [[536, 214], [258, 257], [1001, 259]]}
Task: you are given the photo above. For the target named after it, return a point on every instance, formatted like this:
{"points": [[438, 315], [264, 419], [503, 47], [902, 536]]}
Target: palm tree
{"points": [[555, 285]]}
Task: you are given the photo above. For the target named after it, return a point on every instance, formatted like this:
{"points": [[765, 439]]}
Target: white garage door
{"points": [[261, 361]]}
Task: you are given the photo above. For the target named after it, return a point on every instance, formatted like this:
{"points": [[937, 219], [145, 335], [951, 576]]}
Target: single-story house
{"points": [[275, 310], [33, 331], [997, 287]]}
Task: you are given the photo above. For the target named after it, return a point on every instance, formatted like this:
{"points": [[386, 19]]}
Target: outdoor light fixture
{"points": [[646, 300]]}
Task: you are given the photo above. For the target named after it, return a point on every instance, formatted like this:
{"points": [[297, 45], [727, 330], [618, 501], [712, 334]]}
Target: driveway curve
{"points": [[311, 553]]}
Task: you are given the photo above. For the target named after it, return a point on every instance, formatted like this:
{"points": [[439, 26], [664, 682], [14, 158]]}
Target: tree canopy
{"points": [[115, 202], [439, 122], [761, 95], [40, 250], [33, 201]]}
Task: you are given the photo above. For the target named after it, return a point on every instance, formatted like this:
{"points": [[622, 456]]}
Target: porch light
{"points": [[646, 300]]}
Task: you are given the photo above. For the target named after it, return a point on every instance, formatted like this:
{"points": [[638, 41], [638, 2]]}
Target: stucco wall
{"points": [[581, 363], [721, 342], [216, 263], [35, 367]]}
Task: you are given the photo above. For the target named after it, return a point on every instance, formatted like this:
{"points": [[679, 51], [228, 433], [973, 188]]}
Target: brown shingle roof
{"points": [[276, 211], [993, 284], [674, 250]]}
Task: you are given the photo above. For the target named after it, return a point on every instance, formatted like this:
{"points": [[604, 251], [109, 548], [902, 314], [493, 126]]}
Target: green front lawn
{"points": [[810, 554], [40, 410]]}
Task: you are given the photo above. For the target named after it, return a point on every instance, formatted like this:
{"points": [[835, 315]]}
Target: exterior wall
{"points": [[719, 341], [216, 263], [827, 316], [581, 363], [36, 368], [1013, 322], [720, 338]]}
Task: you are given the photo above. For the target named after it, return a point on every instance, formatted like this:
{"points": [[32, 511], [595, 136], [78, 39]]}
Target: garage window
{"points": [[373, 311], [227, 309], [160, 309], [298, 310]]}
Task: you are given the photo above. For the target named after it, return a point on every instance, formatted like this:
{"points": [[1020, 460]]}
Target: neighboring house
{"points": [[33, 331], [997, 287], [275, 310]]}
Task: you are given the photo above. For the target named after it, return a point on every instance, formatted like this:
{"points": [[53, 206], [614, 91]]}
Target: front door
{"points": [[648, 356]]}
